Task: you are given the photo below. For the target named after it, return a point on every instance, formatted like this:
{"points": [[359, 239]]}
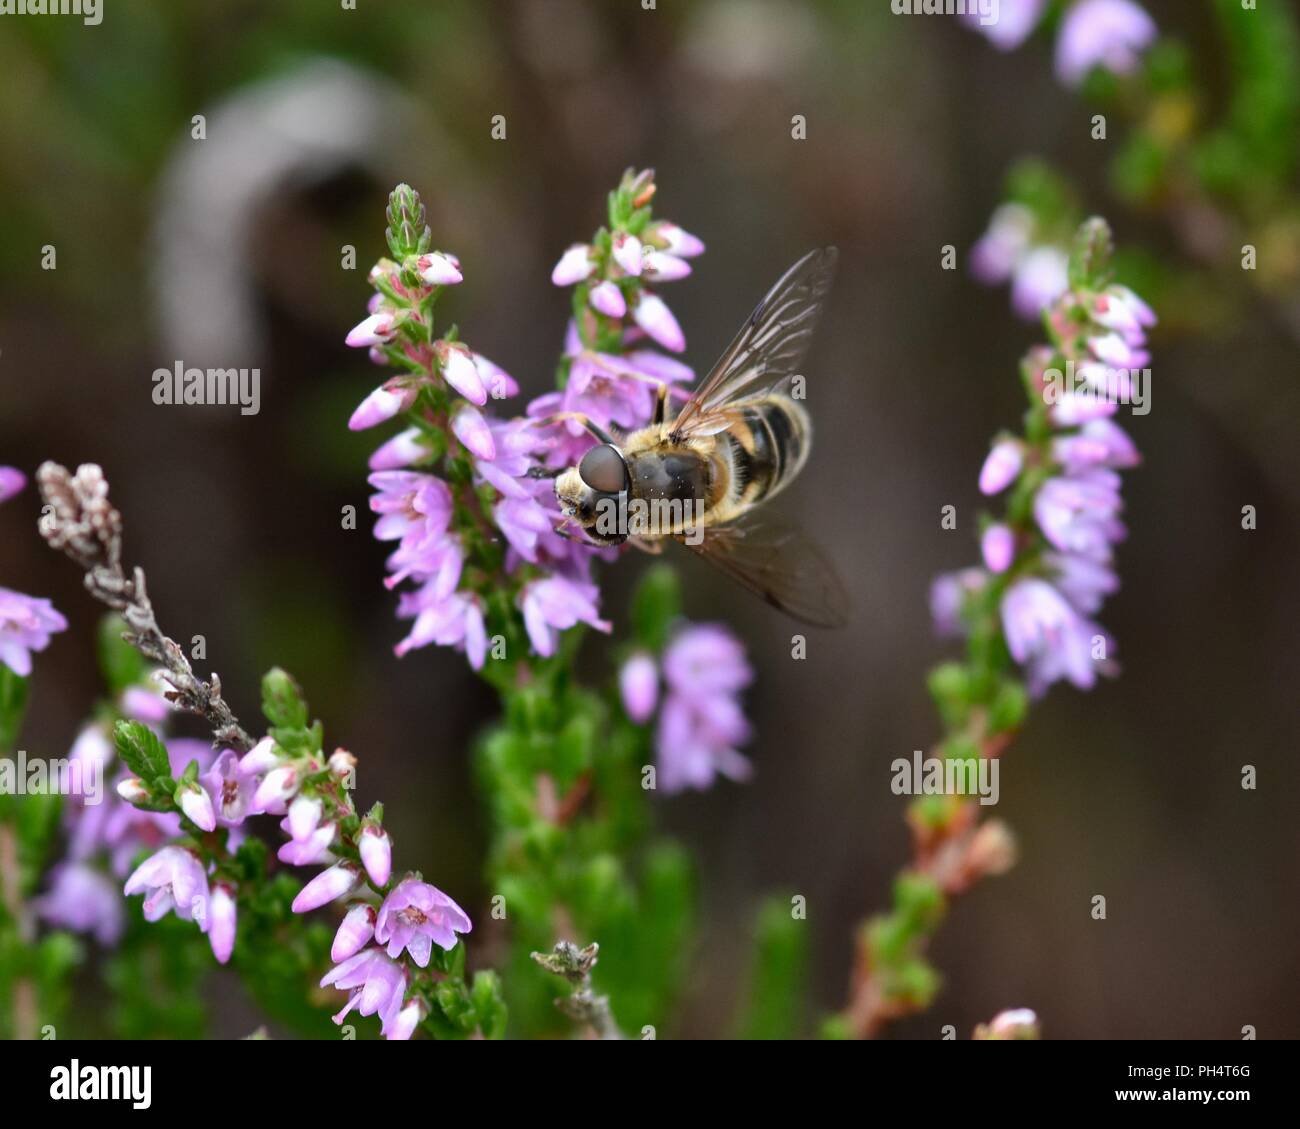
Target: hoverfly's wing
{"points": [[782, 566], [768, 348]]}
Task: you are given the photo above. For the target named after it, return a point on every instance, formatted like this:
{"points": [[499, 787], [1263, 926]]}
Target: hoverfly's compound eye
{"points": [[602, 468]]}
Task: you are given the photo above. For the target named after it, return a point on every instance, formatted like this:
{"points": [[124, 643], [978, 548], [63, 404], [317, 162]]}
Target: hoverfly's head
{"points": [[594, 494]]}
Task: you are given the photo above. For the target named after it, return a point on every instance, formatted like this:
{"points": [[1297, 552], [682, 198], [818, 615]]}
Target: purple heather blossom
{"points": [[1074, 408], [12, 481], [401, 450], [1079, 513], [1083, 580], [554, 604], [638, 683], [276, 789], [173, 878], [261, 758], [663, 267], [454, 620], [377, 986], [231, 788], [414, 508], [355, 932], [1105, 33], [948, 593], [608, 299], [416, 916], [145, 704], [472, 430], [575, 265], [1047, 636], [26, 624], [304, 816], [1000, 248], [1098, 443], [376, 853], [84, 900], [1002, 466], [1040, 278], [328, 886], [221, 921], [439, 269], [998, 547], [310, 849], [1012, 22], [407, 1020], [701, 721], [654, 316]]}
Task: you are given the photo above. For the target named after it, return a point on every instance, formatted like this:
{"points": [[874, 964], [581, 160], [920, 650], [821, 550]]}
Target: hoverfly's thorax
{"points": [[670, 476]]}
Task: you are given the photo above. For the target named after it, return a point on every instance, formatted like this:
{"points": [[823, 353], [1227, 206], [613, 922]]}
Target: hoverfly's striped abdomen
{"points": [[769, 444]]}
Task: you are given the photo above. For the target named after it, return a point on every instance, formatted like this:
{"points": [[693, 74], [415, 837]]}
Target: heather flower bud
{"points": [[133, 791], [472, 430], [377, 329], [277, 786], [608, 299], [628, 253], [304, 816], [439, 269], [638, 684], [261, 758], [355, 932], [327, 886], [1001, 467], [385, 402], [197, 806], [376, 853], [674, 240], [663, 267], [459, 370], [221, 921], [342, 764], [403, 1026], [657, 320], [575, 265], [1020, 1023], [998, 545]]}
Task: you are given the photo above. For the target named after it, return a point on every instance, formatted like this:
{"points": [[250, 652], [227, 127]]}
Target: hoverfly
{"points": [[738, 442]]}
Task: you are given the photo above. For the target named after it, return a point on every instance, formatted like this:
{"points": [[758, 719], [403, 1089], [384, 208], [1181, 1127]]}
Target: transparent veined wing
{"points": [[781, 565], [768, 348]]}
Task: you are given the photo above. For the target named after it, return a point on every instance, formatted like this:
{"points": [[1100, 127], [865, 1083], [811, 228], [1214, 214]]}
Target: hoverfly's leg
{"points": [[580, 417], [661, 406], [544, 472], [653, 546]]}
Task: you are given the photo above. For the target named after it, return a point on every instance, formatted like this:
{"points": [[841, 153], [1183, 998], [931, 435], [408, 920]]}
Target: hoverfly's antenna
{"points": [[580, 417]]}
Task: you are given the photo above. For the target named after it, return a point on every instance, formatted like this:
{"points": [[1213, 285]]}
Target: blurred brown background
{"points": [[227, 251]]}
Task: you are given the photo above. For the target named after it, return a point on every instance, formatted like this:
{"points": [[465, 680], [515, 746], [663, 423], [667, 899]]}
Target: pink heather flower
{"points": [[1101, 33], [1141, 312], [263, 756], [1084, 581], [413, 507], [173, 878], [12, 481], [1046, 635], [416, 916], [84, 900], [439, 269], [277, 787], [575, 265], [328, 886], [1000, 248], [460, 371], [144, 704], [998, 547], [385, 402], [652, 315], [1116, 351], [472, 430], [197, 806], [663, 267], [1079, 513], [1012, 22], [608, 299], [376, 853], [1098, 443], [1001, 467], [1113, 384], [132, 790], [231, 789], [407, 1020], [948, 593], [1015, 1023], [377, 984], [554, 604], [701, 721], [310, 849], [304, 817], [675, 240], [455, 620], [401, 450], [1074, 408], [628, 253], [26, 624], [638, 683], [500, 384], [377, 329], [355, 932], [1040, 278], [522, 521], [221, 921]]}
